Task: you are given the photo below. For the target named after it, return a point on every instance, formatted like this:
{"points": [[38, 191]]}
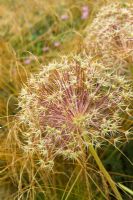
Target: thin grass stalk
{"points": [[104, 171]]}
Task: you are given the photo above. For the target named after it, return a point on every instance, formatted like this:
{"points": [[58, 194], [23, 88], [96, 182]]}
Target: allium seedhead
{"points": [[110, 35], [70, 101]]}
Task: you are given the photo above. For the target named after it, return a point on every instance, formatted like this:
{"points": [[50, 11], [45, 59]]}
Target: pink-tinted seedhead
{"points": [[70, 99]]}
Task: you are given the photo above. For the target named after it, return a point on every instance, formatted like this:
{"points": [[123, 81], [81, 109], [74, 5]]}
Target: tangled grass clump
{"points": [[110, 36]]}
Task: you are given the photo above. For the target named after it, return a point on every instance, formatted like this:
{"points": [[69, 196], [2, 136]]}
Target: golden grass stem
{"points": [[104, 171]]}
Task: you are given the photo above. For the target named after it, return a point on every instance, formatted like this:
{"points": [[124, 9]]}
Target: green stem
{"points": [[104, 171]]}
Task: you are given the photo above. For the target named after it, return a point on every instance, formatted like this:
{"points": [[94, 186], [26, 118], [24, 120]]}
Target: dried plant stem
{"points": [[104, 171]]}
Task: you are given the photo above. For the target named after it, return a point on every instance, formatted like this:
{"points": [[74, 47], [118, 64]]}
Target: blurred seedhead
{"points": [[71, 104], [110, 36]]}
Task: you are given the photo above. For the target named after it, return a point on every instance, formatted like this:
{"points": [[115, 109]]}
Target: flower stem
{"points": [[104, 171]]}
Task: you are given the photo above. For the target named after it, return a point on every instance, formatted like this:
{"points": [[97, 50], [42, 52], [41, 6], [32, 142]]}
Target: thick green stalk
{"points": [[104, 171]]}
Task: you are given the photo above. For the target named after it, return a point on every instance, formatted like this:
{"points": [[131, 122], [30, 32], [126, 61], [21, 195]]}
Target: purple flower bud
{"points": [[45, 49], [64, 17], [85, 12], [27, 61], [85, 8], [57, 44]]}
